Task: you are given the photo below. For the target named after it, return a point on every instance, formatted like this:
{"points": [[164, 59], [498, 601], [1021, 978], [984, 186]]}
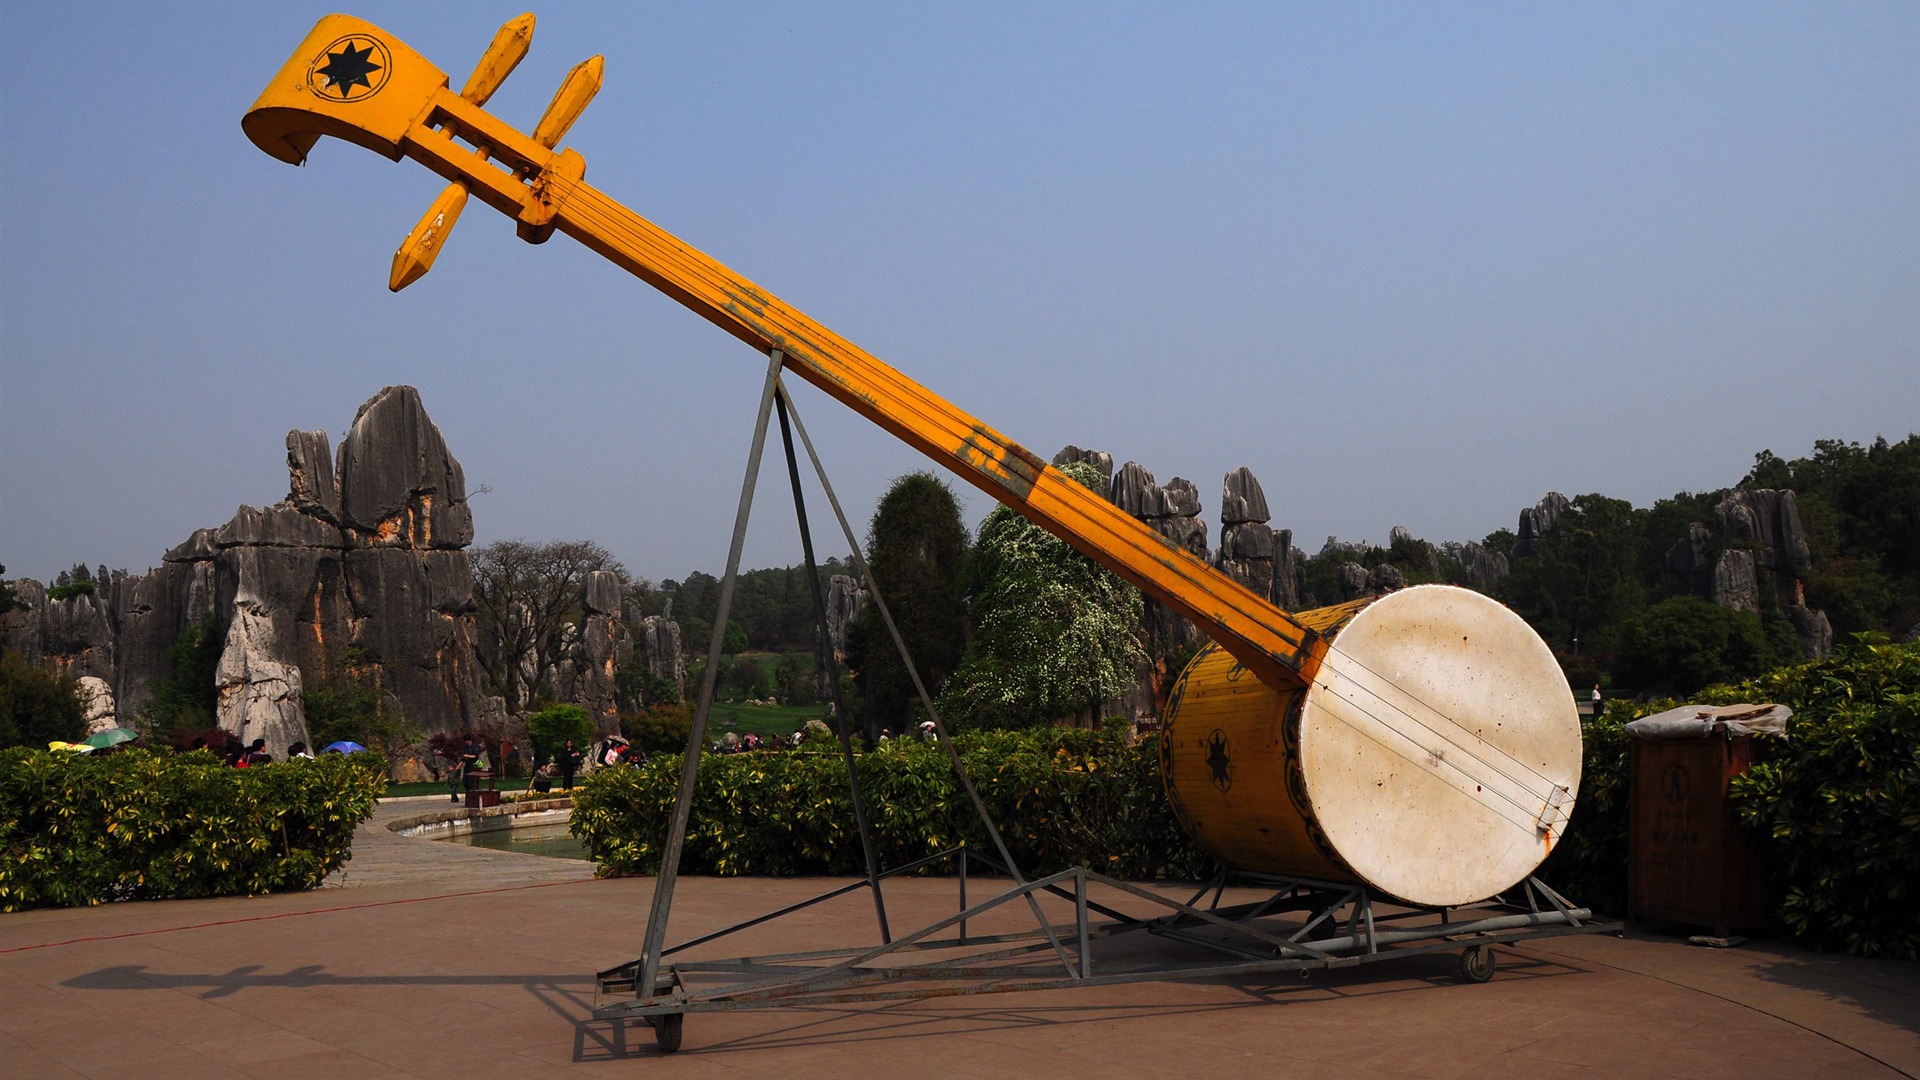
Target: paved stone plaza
{"points": [[444, 961]]}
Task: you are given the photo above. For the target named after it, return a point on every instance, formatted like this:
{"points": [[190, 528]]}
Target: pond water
{"points": [[551, 839]]}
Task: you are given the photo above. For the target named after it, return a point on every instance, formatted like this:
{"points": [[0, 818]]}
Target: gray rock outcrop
{"points": [[260, 693], [1691, 560], [98, 696], [1257, 556], [1734, 585], [1099, 459], [596, 651], [1173, 511], [365, 554], [845, 600], [658, 646], [1768, 521], [73, 634], [1754, 558], [1338, 550], [1385, 578], [1351, 578], [1480, 569], [1536, 521]]}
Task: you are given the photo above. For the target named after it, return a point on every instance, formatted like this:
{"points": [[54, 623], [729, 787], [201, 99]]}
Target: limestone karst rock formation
{"points": [[1479, 568], [1257, 556], [100, 711], [362, 566], [1099, 459], [658, 646], [1536, 521], [1173, 511], [1754, 557], [1762, 535], [596, 651], [74, 634]]}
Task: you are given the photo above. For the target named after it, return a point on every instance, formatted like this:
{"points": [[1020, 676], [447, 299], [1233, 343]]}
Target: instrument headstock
{"points": [[354, 81], [349, 79]]}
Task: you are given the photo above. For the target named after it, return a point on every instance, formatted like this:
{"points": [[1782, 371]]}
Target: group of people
{"points": [[241, 755]]}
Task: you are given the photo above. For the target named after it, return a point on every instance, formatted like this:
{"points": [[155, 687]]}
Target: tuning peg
{"points": [[509, 47], [570, 101], [417, 252]]}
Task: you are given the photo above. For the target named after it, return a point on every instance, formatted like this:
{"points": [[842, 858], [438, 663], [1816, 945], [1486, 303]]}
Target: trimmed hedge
{"points": [[1060, 796], [137, 825], [1838, 802]]}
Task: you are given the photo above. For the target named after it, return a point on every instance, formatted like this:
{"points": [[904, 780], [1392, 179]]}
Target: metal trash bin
{"points": [[1688, 858], [478, 796]]}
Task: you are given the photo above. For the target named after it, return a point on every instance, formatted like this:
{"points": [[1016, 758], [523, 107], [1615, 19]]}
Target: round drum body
{"points": [[1433, 759]]}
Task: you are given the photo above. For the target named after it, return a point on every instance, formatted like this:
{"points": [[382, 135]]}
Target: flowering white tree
{"points": [[1054, 632]]}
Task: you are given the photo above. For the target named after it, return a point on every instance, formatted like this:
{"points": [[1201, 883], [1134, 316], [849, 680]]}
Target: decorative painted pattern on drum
{"points": [[1221, 720]]}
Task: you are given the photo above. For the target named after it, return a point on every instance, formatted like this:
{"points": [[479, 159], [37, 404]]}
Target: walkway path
{"points": [[437, 960]]}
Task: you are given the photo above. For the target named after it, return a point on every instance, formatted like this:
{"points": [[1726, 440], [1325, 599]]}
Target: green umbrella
{"points": [[113, 736]]}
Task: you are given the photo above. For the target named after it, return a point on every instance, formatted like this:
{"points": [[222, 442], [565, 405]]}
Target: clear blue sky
{"points": [[1413, 264]]}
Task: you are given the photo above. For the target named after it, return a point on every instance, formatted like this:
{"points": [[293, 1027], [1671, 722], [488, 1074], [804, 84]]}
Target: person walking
{"points": [[569, 762], [470, 756]]}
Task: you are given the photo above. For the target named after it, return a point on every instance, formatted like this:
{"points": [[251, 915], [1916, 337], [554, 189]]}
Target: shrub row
{"points": [[78, 830], [1838, 802], [1061, 797]]}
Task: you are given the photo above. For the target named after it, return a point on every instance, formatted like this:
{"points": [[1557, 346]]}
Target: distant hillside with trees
{"points": [[1600, 585]]}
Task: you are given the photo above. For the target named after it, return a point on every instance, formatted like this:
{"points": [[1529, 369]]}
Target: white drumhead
{"points": [[1438, 738]]}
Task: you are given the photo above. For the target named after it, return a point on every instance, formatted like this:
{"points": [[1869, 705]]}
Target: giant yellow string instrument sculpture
{"points": [[1423, 745]]}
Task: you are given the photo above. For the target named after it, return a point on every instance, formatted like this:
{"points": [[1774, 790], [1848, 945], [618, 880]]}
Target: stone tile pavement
{"points": [[439, 960]]}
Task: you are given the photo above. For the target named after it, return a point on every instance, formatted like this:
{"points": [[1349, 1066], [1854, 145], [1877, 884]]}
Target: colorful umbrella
{"points": [[70, 747], [113, 736], [344, 746]]}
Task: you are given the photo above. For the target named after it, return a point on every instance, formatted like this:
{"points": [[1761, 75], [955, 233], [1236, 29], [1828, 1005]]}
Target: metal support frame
{"points": [[1298, 925], [1285, 930], [774, 401]]}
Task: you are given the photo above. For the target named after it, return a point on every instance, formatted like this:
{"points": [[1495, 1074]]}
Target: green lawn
{"points": [[764, 720], [425, 787]]}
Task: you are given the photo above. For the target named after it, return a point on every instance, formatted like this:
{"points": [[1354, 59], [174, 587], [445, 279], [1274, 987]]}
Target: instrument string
{"points": [[1333, 647]]}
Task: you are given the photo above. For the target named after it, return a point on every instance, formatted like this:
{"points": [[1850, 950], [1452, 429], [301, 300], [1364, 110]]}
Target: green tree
{"points": [[744, 676], [636, 687], [38, 705], [1054, 633], [794, 680], [917, 551], [1860, 506], [343, 702], [1582, 578], [1691, 643], [551, 727], [188, 699], [527, 598]]}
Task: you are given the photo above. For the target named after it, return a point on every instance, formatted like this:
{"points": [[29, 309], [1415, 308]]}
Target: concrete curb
{"points": [[406, 825]]}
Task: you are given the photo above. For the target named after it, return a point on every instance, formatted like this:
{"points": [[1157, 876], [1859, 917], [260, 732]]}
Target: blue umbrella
{"points": [[343, 747]]}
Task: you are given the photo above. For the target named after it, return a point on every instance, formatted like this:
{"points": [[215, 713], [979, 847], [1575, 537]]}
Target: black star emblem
{"points": [[349, 68], [1218, 761]]}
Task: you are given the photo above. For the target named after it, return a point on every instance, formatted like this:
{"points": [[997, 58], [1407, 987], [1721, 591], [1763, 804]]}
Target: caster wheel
{"points": [[1476, 965], [666, 1031]]}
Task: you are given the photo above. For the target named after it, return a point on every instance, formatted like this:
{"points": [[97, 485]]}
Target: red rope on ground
{"points": [[293, 914]]}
